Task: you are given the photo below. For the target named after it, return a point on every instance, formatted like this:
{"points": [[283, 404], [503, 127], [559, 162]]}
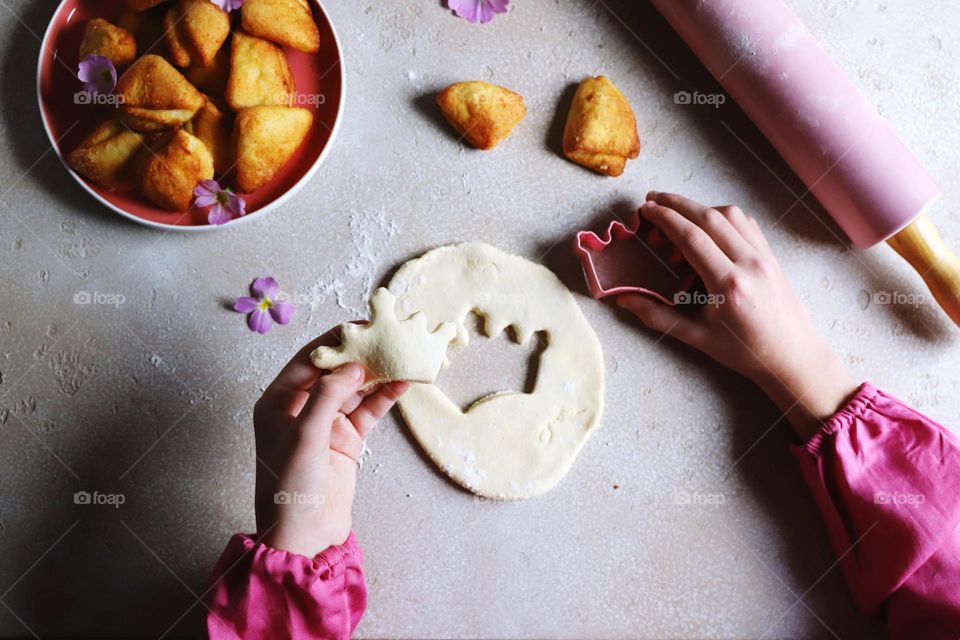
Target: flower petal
{"points": [[490, 8], [204, 201], [207, 188], [264, 287], [98, 74], [282, 311], [228, 5], [245, 304], [469, 10], [260, 321], [219, 215], [236, 205]]}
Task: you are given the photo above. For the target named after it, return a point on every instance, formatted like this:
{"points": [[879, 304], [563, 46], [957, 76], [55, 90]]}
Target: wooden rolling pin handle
{"points": [[920, 244]]}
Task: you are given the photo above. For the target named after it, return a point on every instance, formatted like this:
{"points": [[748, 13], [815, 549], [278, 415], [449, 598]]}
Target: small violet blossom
{"points": [[478, 10], [265, 306], [224, 204], [98, 75], [228, 5]]}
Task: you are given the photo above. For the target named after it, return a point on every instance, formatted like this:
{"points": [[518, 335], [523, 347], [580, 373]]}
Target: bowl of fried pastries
{"points": [[251, 98]]}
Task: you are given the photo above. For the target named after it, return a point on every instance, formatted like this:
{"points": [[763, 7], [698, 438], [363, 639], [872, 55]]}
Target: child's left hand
{"points": [[310, 427]]}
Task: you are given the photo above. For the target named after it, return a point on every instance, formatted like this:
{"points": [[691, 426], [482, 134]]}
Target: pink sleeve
{"points": [[887, 481], [264, 593]]}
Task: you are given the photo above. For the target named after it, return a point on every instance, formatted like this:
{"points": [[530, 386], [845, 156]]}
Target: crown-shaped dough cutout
{"points": [[389, 348]]}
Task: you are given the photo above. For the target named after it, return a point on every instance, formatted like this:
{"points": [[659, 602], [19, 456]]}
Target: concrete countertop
{"points": [[152, 398]]}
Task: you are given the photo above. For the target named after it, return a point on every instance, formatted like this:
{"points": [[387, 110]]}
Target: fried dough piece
{"points": [[484, 113], [180, 49], [142, 5], [265, 138], [168, 174], [101, 38], [601, 131], [212, 78], [104, 157], [156, 96], [215, 129], [259, 74], [205, 28], [286, 22]]}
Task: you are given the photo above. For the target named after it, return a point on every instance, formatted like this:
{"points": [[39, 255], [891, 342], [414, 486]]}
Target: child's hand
{"points": [[310, 429], [757, 325]]}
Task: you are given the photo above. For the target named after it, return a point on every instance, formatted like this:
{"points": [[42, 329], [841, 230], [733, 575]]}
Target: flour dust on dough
{"points": [[508, 445]]}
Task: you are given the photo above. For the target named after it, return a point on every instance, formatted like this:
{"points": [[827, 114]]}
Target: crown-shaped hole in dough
{"points": [[488, 365]]}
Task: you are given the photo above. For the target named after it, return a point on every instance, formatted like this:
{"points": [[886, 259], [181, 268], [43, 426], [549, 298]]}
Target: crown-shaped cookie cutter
{"points": [[633, 258]]}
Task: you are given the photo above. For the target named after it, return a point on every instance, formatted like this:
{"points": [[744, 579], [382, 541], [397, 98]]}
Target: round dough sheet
{"points": [[508, 445]]}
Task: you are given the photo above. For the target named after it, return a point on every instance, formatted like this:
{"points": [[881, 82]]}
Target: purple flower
{"points": [[224, 204], [228, 5], [266, 306], [98, 75], [478, 10]]}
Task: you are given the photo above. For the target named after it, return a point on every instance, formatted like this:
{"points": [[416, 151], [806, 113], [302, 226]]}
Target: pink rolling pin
{"points": [[828, 133]]}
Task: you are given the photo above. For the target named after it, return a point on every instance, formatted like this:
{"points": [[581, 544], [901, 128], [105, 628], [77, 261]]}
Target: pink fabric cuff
{"points": [[887, 481], [262, 593], [327, 564]]}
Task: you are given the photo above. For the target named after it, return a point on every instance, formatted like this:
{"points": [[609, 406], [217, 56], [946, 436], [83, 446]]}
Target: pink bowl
{"points": [[67, 123]]}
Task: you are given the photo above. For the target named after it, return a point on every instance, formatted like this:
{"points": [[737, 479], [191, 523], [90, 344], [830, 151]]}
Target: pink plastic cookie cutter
{"points": [[633, 258]]}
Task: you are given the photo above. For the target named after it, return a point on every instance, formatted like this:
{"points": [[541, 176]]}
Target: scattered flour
{"points": [[352, 283], [365, 455]]}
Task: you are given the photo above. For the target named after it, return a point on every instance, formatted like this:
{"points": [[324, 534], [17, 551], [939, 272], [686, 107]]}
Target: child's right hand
{"points": [[757, 325], [310, 427]]}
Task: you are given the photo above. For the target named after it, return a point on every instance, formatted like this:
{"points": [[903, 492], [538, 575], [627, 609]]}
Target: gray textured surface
{"points": [[153, 398]]}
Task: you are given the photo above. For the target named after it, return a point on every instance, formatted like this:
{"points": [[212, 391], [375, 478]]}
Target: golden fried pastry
{"points": [[101, 38], [259, 74], [286, 22], [155, 95], [215, 128], [205, 28], [211, 78], [181, 52], [104, 157], [483, 113], [601, 131], [168, 174], [264, 140], [142, 5]]}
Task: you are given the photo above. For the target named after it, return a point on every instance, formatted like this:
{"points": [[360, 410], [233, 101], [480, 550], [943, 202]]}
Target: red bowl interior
{"points": [[68, 123]]}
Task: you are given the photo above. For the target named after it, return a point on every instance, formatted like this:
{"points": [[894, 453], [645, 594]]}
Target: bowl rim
{"points": [[282, 199]]}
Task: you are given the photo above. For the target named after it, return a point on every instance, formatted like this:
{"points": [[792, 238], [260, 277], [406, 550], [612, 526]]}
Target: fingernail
{"points": [[652, 195], [649, 204], [353, 370]]}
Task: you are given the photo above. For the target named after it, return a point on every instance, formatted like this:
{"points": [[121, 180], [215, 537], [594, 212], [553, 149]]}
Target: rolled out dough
{"points": [[508, 445]]}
